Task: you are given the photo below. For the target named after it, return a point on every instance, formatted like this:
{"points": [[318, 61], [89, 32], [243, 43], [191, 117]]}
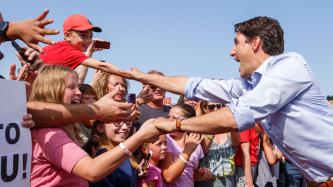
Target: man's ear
{"points": [[66, 36], [256, 43]]}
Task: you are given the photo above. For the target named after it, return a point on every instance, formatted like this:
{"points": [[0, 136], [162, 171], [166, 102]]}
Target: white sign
{"points": [[15, 141]]}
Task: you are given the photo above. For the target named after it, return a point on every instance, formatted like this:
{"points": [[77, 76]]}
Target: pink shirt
{"points": [[54, 154], [186, 178], [153, 174]]}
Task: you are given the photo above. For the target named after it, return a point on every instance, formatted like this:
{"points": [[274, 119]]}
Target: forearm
{"points": [[82, 73], [55, 115], [175, 169], [216, 122], [104, 164], [269, 153], [174, 84], [248, 171], [247, 167]]}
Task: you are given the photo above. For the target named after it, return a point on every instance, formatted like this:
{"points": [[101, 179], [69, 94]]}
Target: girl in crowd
{"points": [[57, 158], [108, 136], [184, 152], [154, 173], [217, 167]]}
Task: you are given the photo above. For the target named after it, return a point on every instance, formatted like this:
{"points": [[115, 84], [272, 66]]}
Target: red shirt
{"points": [[251, 136], [63, 53]]}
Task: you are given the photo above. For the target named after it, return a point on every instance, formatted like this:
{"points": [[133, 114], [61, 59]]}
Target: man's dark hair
{"points": [[267, 29]]}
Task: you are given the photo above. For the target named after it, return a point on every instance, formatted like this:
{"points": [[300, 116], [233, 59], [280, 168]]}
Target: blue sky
{"points": [[186, 37]]}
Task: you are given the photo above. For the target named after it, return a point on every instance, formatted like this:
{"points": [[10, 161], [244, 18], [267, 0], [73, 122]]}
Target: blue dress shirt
{"points": [[285, 98]]}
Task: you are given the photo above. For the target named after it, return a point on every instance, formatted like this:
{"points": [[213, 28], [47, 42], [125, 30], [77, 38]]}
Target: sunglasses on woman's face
{"points": [[121, 123]]}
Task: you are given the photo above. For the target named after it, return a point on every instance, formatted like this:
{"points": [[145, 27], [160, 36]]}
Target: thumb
{"points": [[114, 91]]}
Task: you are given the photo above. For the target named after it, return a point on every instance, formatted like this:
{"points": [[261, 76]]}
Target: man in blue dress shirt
{"points": [[276, 89]]}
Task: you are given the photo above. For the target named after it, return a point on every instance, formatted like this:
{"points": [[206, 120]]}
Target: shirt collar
{"points": [[257, 74]]}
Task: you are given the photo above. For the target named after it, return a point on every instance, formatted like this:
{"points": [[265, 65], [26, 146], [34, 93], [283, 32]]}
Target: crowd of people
{"points": [[270, 127]]}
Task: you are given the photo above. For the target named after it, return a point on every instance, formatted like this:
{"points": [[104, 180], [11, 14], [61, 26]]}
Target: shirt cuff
{"points": [[244, 117], [190, 87]]}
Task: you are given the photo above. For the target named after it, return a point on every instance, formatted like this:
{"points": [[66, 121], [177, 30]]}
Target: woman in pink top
{"points": [[57, 159]]}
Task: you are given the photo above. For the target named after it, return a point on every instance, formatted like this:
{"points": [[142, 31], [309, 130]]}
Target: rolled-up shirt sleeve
{"points": [[213, 89]]}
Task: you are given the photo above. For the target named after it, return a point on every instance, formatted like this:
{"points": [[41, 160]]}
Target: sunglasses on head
{"points": [[213, 106]]}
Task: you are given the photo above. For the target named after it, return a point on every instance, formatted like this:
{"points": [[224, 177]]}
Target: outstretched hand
{"points": [[145, 96], [32, 31], [109, 110], [134, 74]]}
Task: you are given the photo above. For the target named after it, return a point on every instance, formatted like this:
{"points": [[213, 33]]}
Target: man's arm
{"points": [[216, 122], [105, 109], [172, 84]]}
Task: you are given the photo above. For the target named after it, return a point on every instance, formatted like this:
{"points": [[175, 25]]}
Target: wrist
{"points": [[179, 124], [93, 112], [11, 31]]}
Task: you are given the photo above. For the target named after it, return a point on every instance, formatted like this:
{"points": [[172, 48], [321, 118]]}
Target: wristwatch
{"points": [[3, 29]]}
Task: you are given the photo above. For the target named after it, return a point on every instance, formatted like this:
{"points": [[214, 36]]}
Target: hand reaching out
{"points": [[32, 31]]}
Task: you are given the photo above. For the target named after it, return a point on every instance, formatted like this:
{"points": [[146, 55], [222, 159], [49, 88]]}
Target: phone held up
{"points": [[143, 170], [20, 50], [102, 44], [23, 71], [131, 98]]}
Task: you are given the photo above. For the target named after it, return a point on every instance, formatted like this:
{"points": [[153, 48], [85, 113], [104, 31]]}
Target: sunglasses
{"points": [[213, 106], [121, 123]]}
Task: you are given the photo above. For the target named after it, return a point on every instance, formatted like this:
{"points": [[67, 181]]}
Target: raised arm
{"points": [[31, 31]]}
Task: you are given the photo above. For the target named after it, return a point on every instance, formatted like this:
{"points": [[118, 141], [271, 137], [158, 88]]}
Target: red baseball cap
{"points": [[80, 23]]}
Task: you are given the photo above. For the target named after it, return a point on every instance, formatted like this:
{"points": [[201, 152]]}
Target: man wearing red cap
{"points": [[78, 33]]}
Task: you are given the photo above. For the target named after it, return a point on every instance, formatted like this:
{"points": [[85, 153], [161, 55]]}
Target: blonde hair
{"points": [[49, 87], [101, 84]]}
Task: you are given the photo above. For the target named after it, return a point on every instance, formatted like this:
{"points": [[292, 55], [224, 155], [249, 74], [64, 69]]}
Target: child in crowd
{"points": [[153, 177], [110, 135], [184, 152], [78, 33], [57, 158]]}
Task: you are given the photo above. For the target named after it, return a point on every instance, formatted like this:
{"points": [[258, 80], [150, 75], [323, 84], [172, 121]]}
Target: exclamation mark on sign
{"points": [[25, 158]]}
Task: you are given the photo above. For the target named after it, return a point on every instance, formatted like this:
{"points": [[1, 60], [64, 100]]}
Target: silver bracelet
{"points": [[183, 159], [122, 146]]}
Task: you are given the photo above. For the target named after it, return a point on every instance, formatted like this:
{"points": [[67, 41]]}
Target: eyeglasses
{"points": [[121, 123], [213, 106]]}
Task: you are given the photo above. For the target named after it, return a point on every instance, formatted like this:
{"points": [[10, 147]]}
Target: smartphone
{"points": [[132, 98], [147, 160], [20, 50], [102, 44]]}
